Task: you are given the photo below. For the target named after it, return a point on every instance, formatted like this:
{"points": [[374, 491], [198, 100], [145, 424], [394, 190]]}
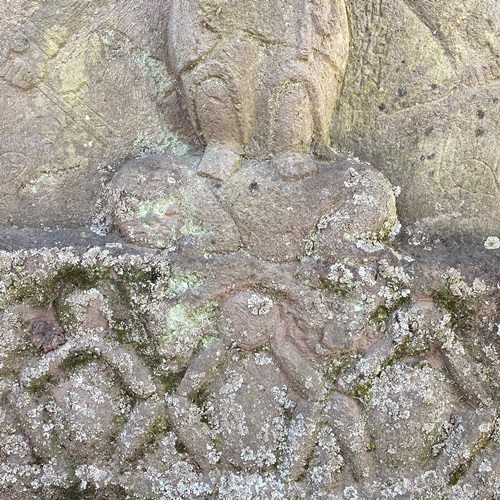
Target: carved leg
{"points": [[303, 376], [192, 432], [218, 122], [346, 420], [185, 417], [463, 440], [293, 132], [309, 382], [302, 436], [466, 373], [202, 369]]}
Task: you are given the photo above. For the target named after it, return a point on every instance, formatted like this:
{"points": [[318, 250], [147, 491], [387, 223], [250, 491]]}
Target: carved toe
{"points": [[218, 162]]}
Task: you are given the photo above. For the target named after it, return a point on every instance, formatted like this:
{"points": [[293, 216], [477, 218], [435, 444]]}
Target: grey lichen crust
{"points": [[243, 326], [233, 350]]}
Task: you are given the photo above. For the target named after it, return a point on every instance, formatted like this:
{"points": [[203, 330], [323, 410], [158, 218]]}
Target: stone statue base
{"points": [[161, 202], [252, 338]]}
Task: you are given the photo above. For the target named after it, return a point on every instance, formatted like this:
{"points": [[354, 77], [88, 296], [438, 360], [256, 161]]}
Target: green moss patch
{"points": [[44, 291], [77, 359], [462, 310], [38, 386]]}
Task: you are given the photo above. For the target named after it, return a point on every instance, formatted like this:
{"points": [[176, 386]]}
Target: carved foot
{"points": [[218, 162], [302, 436], [294, 166], [191, 431]]}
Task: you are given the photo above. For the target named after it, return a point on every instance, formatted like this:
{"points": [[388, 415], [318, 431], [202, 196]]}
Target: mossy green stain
{"points": [[180, 319], [462, 310], [191, 224], [75, 492], [77, 359], [200, 398], [339, 364], [39, 386], [157, 208], [341, 289], [158, 428], [172, 380], [457, 474], [363, 388], [180, 447], [180, 282], [44, 291], [380, 314]]}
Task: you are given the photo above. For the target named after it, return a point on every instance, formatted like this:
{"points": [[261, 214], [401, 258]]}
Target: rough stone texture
{"points": [[199, 299], [259, 78], [223, 366], [83, 85], [86, 85], [156, 200], [420, 101]]}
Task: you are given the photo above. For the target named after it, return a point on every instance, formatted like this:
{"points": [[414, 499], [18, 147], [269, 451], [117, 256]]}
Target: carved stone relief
{"points": [[420, 102], [246, 316], [259, 79]]}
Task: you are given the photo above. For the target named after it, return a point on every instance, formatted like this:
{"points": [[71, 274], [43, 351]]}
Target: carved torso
{"points": [[199, 25]]}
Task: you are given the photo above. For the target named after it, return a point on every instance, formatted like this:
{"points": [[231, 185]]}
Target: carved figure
{"points": [[298, 333], [303, 318], [33, 395], [252, 321], [259, 79]]}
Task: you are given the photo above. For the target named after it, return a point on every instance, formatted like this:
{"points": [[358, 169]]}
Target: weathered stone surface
{"points": [[420, 101], [87, 85], [199, 299], [345, 206], [83, 86], [338, 370], [259, 78]]}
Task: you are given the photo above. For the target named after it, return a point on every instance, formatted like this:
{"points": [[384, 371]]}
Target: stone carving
{"points": [[236, 334], [259, 79], [58, 60], [306, 363], [418, 73], [419, 99]]}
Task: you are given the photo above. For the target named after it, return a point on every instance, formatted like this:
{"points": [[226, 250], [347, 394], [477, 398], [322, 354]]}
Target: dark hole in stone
{"points": [[253, 187], [154, 275], [381, 106], [180, 447], [480, 114], [46, 336], [480, 131], [402, 92]]}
